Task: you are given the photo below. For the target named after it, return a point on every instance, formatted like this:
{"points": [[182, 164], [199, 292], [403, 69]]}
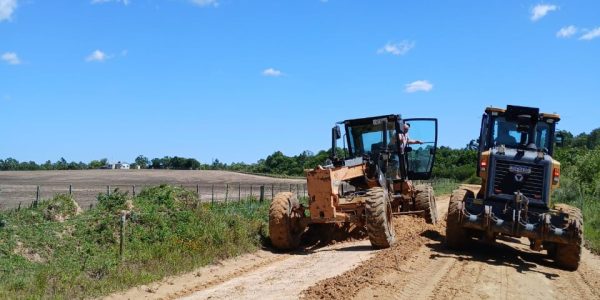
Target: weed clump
{"points": [[60, 208]]}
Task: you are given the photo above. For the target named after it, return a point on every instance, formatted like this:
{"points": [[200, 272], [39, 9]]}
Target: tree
{"points": [[10, 164], [97, 164], [142, 161]]}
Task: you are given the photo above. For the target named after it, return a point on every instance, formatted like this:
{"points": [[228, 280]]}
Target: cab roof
{"points": [[502, 111], [369, 120]]}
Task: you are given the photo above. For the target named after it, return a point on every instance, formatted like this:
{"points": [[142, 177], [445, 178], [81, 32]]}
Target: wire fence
{"points": [[14, 196]]}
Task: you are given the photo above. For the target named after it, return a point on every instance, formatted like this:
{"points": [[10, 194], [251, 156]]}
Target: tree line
{"points": [[457, 164]]}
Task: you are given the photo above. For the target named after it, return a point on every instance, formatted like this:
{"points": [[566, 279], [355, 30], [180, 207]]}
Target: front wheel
{"points": [[456, 235], [568, 256], [425, 201], [285, 227], [379, 218]]}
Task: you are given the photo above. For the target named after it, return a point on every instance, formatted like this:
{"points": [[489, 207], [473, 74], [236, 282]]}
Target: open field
{"points": [[21, 186]]}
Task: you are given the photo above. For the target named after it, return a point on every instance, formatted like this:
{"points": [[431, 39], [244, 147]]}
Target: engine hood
{"points": [[516, 170]]}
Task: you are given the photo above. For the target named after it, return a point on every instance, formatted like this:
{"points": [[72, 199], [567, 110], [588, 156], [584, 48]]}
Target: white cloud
{"points": [[396, 48], [203, 3], [592, 34], [566, 32], [418, 86], [97, 56], [270, 72], [7, 8], [126, 2], [541, 10], [11, 58]]}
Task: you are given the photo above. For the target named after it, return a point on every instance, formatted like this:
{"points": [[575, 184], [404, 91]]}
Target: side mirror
{"points": [[337, 133], [473, 145], [559, 139]]}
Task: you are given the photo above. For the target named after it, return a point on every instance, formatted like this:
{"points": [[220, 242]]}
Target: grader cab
{"points": [[518, 176], [366, 187]]}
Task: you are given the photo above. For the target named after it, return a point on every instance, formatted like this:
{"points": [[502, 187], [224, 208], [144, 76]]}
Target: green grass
{"points": [[591, 213], [42, 255], [443, 186], [571, 192]]}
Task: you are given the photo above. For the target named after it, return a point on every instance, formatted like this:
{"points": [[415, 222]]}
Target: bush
{"points": [[113, 202]]}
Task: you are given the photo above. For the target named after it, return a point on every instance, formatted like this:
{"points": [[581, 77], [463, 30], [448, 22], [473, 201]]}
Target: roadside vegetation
{"points": [[580, 182], [55, 250]]}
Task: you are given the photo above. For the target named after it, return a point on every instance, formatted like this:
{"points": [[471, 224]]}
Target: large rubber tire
{"points": [[285, 229], [568, 256], [425, 201], [456, 235], [379, 219]]}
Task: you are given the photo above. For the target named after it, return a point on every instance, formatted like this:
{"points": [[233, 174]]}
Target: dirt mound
{"points": [[411, 234], [60, 208], [321, 235]]}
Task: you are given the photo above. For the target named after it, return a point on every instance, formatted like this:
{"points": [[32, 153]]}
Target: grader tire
{"points": [[456, 235], [425, 201], [379, 219], [568, 256], [285, 229]]}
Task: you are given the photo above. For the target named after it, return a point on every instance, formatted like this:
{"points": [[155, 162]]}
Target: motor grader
{"points": [[366, 185], [518, 176]]}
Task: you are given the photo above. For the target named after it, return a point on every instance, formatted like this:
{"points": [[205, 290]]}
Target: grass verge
{"points": [[56, 251], [572, 193], [443, 186]]}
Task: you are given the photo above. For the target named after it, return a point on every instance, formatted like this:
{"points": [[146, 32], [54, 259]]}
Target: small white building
{"points": [[117, 166]]}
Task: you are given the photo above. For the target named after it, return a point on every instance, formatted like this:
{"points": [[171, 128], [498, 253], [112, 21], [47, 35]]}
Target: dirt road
{"points": [[418, 267]]}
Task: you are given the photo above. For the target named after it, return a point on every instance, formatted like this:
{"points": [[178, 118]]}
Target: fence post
{"points": [[198, 190], [251, 192], [37, 196], [239, 191], [108, 190], [262, 193], [212, 194], [70, 189], [122, 234], [133, 190], [226, 192], [297, 191], [272, 192], [290, 187], [304, 190]]}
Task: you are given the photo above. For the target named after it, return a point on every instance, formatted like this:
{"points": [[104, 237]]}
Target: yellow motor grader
{"points": [[518, 177], [366, 186]]}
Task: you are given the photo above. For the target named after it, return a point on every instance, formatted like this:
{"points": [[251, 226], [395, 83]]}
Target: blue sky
{"points": [[237, 80]]}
